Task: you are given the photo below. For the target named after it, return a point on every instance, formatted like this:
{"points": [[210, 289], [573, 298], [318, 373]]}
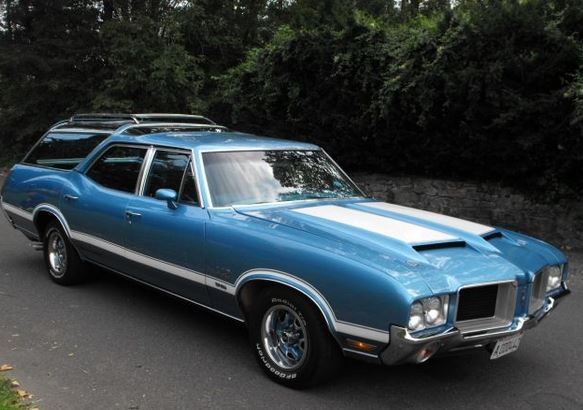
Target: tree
{"points": [[48, 63]]}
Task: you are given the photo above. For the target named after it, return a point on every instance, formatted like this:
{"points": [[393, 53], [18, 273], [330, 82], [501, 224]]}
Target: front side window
{"points": [[166, 172], [64, 150], [118, 168], [254, 177]]}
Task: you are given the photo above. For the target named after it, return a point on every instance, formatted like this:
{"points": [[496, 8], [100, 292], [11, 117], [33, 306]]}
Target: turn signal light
{"points": [[359, 345]]}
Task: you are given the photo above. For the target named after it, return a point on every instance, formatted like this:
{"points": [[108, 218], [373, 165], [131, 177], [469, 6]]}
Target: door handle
{"points": [[130, 215], [69, 197]]}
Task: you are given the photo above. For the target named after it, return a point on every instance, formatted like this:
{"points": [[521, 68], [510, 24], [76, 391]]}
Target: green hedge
{"points": [[488, 89], [485, 92]]}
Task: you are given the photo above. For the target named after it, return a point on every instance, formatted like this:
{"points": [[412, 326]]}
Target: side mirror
{"points": [[168, 195]]}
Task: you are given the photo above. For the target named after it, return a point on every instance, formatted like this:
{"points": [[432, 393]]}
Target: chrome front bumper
{"points": [[405, 348]]}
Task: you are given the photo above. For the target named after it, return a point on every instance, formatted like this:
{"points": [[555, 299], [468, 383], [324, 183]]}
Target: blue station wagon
{"points": [[274, 234]]}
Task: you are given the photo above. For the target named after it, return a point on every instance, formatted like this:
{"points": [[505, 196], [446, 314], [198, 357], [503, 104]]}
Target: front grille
{"points": [[477, 302]]}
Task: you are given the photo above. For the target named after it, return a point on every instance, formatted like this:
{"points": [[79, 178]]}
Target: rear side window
{"points": [[167, 171], [118, 168], [64, 150]]}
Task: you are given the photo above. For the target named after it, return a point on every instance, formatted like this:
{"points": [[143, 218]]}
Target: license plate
{"points": [[506, 346]]}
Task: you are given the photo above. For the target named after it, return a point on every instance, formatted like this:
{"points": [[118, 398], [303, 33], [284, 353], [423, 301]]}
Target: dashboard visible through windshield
{"points": [[256, 177]]}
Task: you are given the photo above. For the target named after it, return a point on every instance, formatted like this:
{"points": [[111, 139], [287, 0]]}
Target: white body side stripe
{"points": [[450, 221], [140, 258], [339, 326], [402, 231], [17, 211]]}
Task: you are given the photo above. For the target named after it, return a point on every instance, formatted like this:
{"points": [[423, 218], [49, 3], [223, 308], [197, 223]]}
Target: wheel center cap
{"points": [[291, 336]]}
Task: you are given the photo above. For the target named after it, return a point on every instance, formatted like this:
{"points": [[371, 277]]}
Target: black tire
{"points": [[67, 268], [321, 357]]}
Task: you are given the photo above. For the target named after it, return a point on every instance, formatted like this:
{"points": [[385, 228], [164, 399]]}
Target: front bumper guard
{"points": [[405, 348]]}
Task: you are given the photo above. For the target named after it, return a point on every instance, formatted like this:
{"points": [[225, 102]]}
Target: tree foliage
{"points": [[482, 89]]}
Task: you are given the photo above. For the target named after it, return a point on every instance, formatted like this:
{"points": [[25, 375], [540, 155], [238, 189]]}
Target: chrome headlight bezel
{"points": [[554, 276], [547, 280], [428, 313]]}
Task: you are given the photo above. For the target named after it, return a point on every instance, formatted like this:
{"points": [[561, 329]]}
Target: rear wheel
{"points": [[62, 260], [291, 340]]}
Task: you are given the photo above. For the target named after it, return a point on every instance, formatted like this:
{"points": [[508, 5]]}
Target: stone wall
{"points": [[560, 223]]}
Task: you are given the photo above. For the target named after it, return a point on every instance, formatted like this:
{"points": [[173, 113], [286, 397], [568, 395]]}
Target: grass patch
{"points": [[9, 399]]}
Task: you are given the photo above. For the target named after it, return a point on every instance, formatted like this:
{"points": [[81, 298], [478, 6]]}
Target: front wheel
{"points": [[62, 260], [291, 340]]}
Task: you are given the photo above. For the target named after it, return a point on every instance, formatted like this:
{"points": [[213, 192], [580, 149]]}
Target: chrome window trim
{"points": [[253, 149], [489, 323], [144, 171], [198, 179]]}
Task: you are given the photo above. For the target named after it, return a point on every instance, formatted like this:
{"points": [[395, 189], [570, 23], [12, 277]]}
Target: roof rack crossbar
{"points": [[185, 126], [103, 117], [139, 118]]}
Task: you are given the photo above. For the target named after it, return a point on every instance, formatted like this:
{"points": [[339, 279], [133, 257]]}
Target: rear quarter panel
{"points": [[29, 186]]}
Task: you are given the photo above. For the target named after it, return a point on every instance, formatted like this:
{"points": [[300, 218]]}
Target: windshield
{"points": [[255, 177]]}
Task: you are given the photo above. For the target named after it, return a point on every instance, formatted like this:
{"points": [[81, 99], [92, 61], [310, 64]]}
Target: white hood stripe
{"points": [[393, 228], [449, 221]]}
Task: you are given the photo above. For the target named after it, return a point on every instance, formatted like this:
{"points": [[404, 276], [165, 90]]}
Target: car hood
{"points": [[411, 245]]}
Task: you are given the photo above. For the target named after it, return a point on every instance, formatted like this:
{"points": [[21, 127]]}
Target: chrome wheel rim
{"points": [[285, 337], [57, 252]]}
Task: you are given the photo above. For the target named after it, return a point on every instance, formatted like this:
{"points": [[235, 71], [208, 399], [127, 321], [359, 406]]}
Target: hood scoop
{"points": [[493, 235], [442, 245]]}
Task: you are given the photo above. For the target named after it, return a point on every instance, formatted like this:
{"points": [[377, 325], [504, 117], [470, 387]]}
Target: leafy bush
{"points": [[485, 89], [483, 92]]}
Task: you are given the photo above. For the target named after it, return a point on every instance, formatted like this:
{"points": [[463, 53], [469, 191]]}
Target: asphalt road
{"points": [[112, 343]]}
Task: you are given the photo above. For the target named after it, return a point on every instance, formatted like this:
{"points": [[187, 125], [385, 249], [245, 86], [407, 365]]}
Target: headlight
{"points": [[428, 312], [554, 277]]}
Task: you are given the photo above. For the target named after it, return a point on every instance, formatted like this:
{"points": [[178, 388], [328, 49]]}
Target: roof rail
{"points": [[182, 118], [141, 118], [95, 117], [156, 127]]}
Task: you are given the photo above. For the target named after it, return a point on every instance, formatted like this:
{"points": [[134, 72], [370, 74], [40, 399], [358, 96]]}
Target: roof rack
{"points": [[97, 117], [157, 127], [182, 118], [140, 118]]}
